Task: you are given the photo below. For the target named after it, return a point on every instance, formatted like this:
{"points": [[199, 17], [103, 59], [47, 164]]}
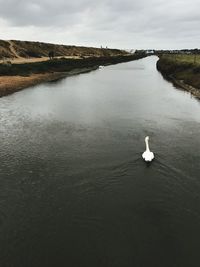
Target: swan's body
{"points": [[147, 155]]}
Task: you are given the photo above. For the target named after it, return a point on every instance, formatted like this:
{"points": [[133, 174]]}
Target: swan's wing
{"points": [[144, 155], [152, 155]]}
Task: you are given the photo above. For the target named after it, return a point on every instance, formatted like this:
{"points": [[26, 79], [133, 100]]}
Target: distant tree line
{"points": [[194, 51]]}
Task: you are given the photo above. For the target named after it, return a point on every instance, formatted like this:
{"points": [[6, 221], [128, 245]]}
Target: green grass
{"points": [[181, 67], [182, 58]]}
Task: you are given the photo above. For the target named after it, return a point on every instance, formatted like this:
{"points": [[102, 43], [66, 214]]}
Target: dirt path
{"points": [[12, 49], [31, 60], [19, 60]]}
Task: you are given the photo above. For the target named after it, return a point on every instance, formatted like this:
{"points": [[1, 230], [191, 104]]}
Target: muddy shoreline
{"points": [[181, 84], [11, 84]]}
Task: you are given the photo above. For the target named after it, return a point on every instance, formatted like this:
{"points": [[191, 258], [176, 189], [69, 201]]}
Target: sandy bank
{"points": [[11, 84]]}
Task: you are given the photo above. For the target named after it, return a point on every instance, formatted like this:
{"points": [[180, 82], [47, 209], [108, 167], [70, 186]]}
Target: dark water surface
{"points": [[74, 190]]}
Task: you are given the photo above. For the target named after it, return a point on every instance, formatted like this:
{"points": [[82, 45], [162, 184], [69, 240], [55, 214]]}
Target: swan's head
{"points": [[147, 138]]}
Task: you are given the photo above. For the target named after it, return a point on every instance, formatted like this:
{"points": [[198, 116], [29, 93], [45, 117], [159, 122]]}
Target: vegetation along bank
{"points": [[183, 70]]}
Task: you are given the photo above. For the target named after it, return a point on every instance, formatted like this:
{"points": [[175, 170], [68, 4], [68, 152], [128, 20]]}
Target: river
{"points": [[74, 190]]}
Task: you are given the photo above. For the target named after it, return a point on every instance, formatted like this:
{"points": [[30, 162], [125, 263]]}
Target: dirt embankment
{"points": [[11, 84], [182, 74], [14, 77], [24, 51]]}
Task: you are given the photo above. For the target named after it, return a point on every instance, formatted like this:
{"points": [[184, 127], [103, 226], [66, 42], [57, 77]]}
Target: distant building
{"points": [[150, 52], [132, 51]]}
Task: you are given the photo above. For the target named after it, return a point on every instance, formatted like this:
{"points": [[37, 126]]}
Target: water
{"points": [[74, 190]]}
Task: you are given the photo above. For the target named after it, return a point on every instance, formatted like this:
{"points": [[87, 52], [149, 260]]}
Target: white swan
{"points": [[147, 155]]}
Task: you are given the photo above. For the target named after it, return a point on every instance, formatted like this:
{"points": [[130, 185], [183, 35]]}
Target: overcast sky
{"points": [[136, 24]]}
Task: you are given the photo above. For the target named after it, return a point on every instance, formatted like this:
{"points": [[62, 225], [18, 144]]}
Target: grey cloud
{"points": [[117, 23], [41, 13]]}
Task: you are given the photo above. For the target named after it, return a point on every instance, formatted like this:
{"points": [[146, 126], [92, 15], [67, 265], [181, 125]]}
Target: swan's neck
{"points": [[147, 145]]}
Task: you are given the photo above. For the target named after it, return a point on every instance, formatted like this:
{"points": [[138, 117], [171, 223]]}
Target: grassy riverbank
{"points": [[182, 70], [14, 77]]}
